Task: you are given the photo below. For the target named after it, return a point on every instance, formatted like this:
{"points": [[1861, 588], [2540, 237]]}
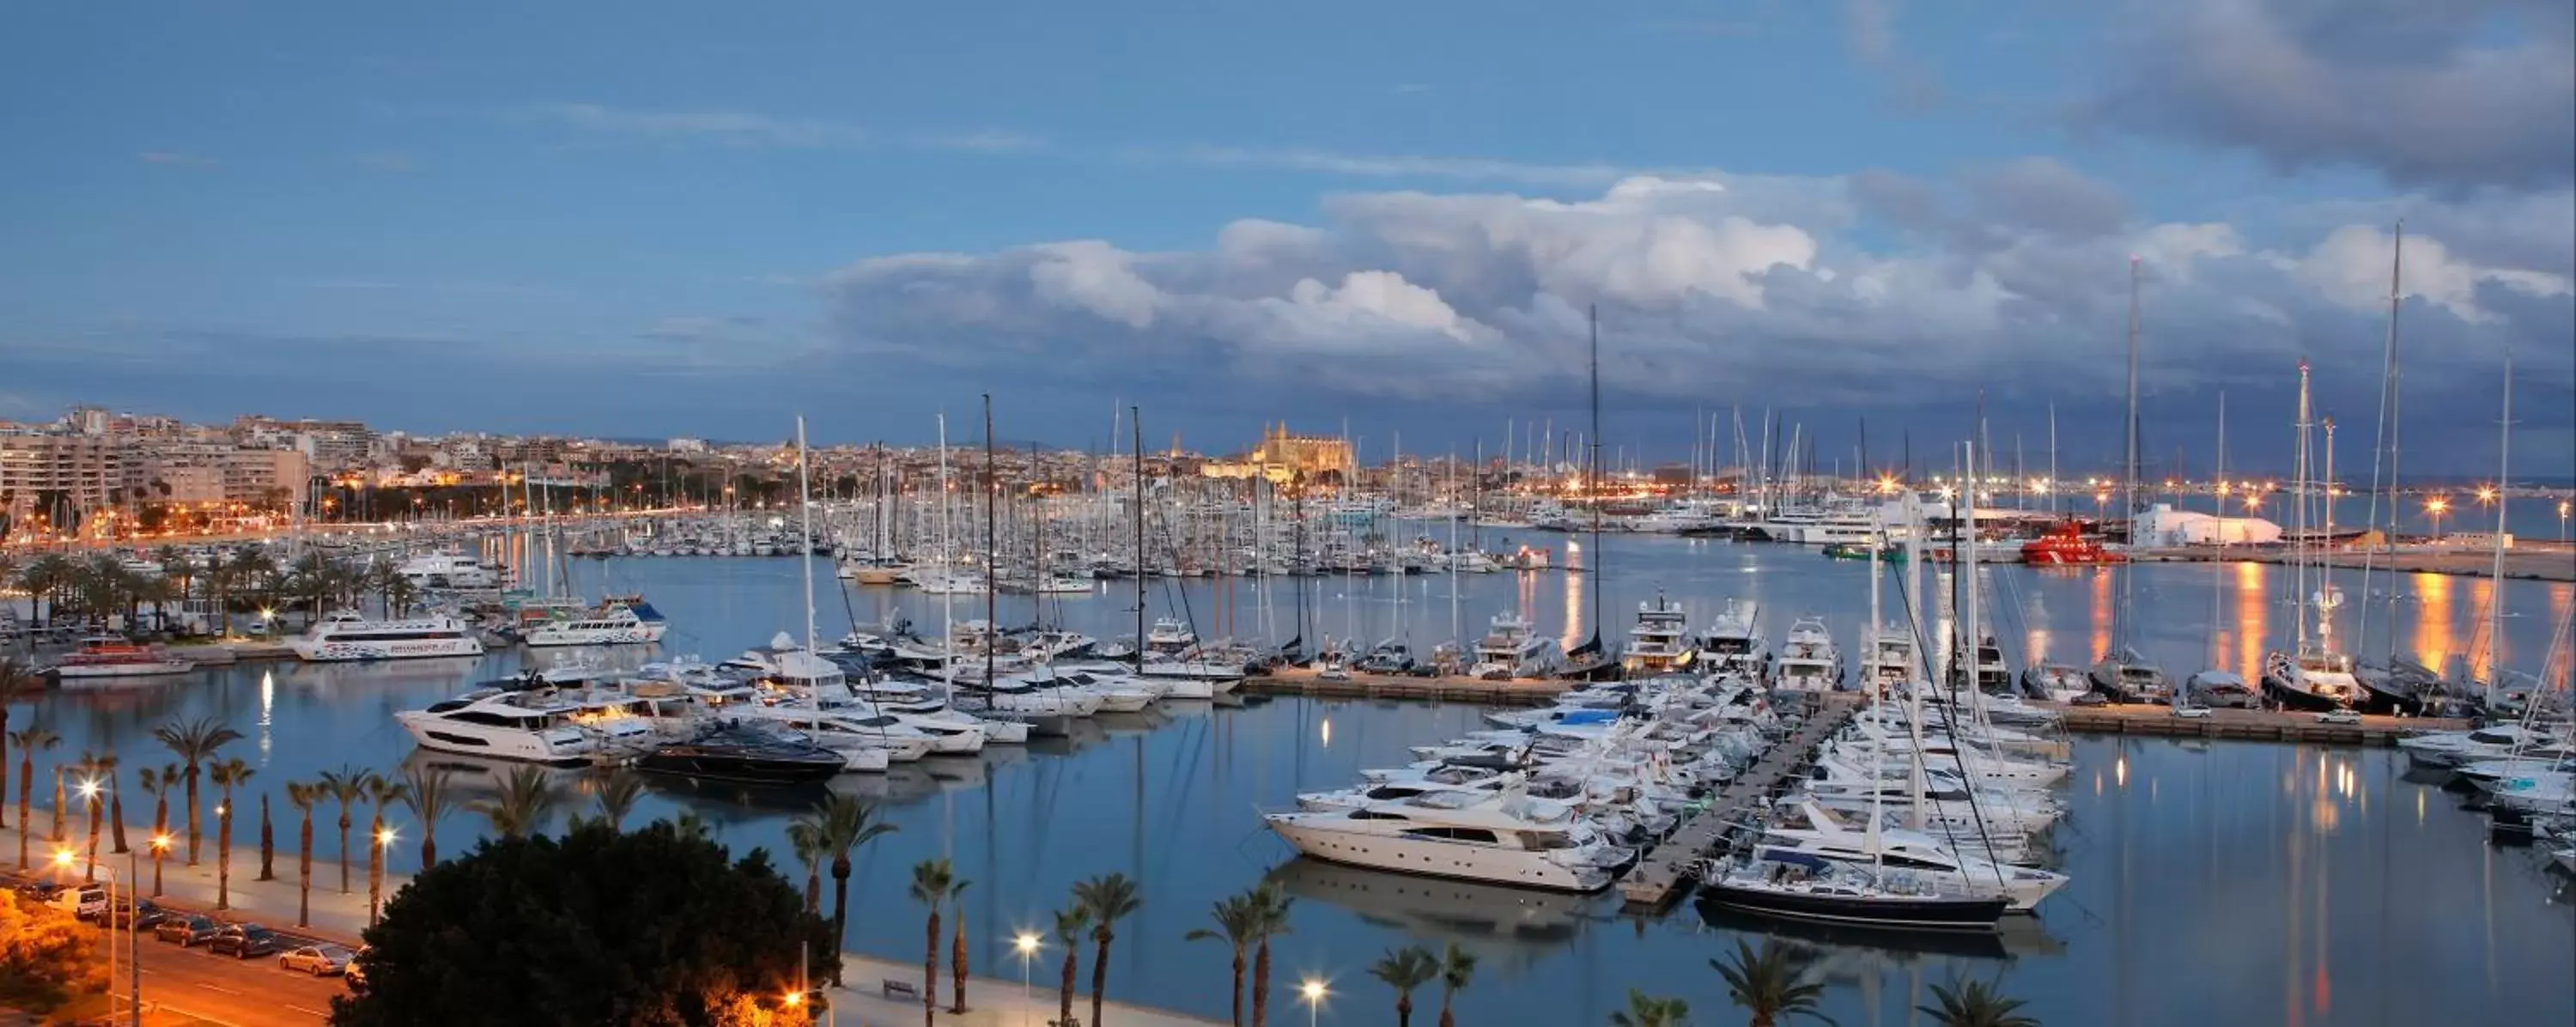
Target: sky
{"points": [[650, 219]]}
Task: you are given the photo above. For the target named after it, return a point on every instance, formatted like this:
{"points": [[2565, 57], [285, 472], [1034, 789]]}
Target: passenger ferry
{"points": [[620, 620], [111, 657], [345, 636]]}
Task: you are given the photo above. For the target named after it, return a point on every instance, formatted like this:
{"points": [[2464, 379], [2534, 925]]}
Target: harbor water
{"points": [[2213, 882]]}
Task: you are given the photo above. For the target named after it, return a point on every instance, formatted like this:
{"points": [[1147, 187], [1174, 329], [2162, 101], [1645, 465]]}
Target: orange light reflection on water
{"points": [[2253, 620]]}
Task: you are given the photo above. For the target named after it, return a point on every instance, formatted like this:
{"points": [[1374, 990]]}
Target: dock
{"points": [[2248, 725], [1304, 681], [1662, 874]]}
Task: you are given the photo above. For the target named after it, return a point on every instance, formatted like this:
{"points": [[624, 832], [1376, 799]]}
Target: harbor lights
{"points": [[1314, 993], [2564, 508], [1027, 946], [2435, 508]]}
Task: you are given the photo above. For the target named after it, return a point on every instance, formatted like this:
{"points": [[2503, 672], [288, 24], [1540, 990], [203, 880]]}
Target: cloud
{"points": [[1711, 288], [715, 126], [169, 158], [1477, 169], [2460, 94]]}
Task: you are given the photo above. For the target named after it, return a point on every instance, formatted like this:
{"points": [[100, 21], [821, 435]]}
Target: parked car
{"points": [[356, 971], [187, 930], [2089, 699], [2339, 717], [141, 915], [318, 960], [88, 902], [242, 941], [2191, 711], [40, 891]]}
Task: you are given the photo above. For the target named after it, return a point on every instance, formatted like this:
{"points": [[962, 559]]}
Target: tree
{"points": [[617, 795], [227, 774], [195, 742], [649, 928], [957, 968], [46, 956], [1110, 899], [933, 881], [267, 843], [1269, 902], [17, 684], [425, 791], [104, 767], [805, 841], [525, 801], [1457, 967], [1070, 923], [344, 786], [304, 797], [30, 741], [88, 768], [1771, 984], [159, 783], [380, 791], [1975, 1004], [1648, 1011], [847, 824], [1237, 925], [1402, 969]]}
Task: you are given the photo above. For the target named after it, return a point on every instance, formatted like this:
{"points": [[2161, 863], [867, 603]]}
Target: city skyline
{"points": [[627, 228]]}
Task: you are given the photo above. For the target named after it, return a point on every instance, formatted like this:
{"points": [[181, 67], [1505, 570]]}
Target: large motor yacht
{"points": [[1733, 643], [344, 636], [1809, 662], [1503, 839], [533, 726], [1659, 643], [627, 620], [112, 657], [1513, 650], [448, 569]]}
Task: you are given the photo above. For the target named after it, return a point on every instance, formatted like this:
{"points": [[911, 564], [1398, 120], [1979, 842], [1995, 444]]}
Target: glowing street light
{"points": [[2435, 508], [1314, 992], [1027, 946]]}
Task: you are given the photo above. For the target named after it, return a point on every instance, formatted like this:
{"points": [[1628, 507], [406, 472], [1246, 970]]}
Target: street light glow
{"points": [[161, 841], [385, 837], [795, 998], [62, 857], [89, 788], [1313, 990], [1027, 943]]}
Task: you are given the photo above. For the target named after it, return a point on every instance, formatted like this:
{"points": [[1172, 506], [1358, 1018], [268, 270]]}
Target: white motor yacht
{"points": [[536, 726], [1659, 642], [1809, 829], [1512, 649], [625, 620], [1809, 662], [346, 636], [1733, 643], [2453, 748], [1503, 839], [902, 742], [448, 569]]}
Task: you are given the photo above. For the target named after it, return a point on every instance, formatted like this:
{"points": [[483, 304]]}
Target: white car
{"points": [[2339, 717], [318, 960], [2191, 711]]}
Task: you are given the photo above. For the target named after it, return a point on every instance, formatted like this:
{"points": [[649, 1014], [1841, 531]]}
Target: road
{"points": [[252, 992]]}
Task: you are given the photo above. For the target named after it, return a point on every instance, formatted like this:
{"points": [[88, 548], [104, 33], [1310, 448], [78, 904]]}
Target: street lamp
{"points": [[1314, 992], [2435, 508], [1027, 945], [134, 933], [375, 874], [2564, 508]]}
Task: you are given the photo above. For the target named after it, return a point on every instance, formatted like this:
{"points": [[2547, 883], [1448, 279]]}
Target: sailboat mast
{"points": [[2495, 600], [2218, 501], [992, 584], [2129, 466], [947, 567], [805, 514], [1136, 423], [1592, 561], [2299, 516], [2384, 451]]}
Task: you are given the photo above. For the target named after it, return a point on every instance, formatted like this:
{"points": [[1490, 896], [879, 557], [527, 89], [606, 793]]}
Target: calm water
{"points": [[2220, 883]]}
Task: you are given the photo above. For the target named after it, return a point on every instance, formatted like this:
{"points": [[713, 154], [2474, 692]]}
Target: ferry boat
{"points": [[1505, 839], [1809, 661], [2066, 545], [1513, 650], [448, 569], [107, 656], [344, 636], [621, 620], [1657, 644]]}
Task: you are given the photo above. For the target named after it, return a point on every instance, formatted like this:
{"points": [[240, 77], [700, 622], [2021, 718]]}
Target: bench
{"points": [[900, 989]]}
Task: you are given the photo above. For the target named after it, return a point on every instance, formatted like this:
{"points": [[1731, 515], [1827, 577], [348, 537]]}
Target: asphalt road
{"points": [[253, 992]]}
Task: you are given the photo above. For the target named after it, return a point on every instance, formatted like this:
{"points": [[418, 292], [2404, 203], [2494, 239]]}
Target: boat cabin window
{"points": [[1394, 792], [1543, 840], [1370, 814], [1470, 835]]}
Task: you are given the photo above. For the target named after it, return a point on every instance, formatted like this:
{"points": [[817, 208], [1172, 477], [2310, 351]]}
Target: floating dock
{"points": [[1451, 688], [1662, 874], [2248, 725]]}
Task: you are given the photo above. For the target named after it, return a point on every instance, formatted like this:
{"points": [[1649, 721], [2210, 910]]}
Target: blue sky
{"points": [[650, 219]]}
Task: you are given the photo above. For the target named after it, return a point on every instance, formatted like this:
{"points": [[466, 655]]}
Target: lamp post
{"points": [[1027, 946], [2564, 508], [63, 858], [375, 874], [2435, 508], [1314, 992]]}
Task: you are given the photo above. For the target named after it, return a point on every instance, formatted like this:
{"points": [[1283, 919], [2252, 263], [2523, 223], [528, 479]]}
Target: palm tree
{"points": [[1069, 925], [88, 770], [617, 793], [1772, 983], [195, 743], [380, 791], [1237, 924], [1457, 967], [1110, 899], [957, 952], [1269, 906], [44, 581], [227, 773], [1974, 1004], [1402, 969], [267, 843], [219, 573], [56, 836], [30, 741], [805, 839], [159, 783], [1648, 1011], [425, 791], [346, 785], [847, 824], [933, 881], [103, 766], [17, 684], [304, 797], [690, 825], [526, 799]]}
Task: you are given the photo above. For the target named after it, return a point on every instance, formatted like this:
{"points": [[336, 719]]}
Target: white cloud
{"points": [[2351, 267]]}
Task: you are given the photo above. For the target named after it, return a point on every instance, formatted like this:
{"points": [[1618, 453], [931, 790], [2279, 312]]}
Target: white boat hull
{"points": [[640, 634], [1433, 857], [557, 745], [343, 651], [151, 669]]}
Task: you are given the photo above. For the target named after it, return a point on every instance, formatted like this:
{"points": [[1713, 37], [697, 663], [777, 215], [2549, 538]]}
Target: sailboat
{"points": [[2393, 683], [2122, 674], [2310, 675], [2218, 686], [1593, 658]]}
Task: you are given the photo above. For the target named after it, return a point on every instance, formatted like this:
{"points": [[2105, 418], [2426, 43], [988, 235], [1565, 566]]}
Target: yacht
{"points": [[108, 656], [1170, 637], [2454, 748], [2055, 682], [1513, 650], [2313, 679], [1503, 839], [1658, 643], [619, 621], [843, 733], [1809, 662], [448, 569], [1887, 659], [532, 726], [2123, 676], [1733, 643], [1811, 830], [346, 636], [1803, 887], [2222, 688], [744, 753]]}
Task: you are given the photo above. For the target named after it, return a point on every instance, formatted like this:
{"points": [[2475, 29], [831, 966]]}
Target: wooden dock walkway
{"points": [[2248, 725], [1661, 874], [1307, 682]]}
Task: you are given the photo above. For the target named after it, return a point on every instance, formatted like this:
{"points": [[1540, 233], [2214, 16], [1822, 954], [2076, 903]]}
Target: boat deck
{"points": [[1308, 682], [2248, 725], [1661, 874]]}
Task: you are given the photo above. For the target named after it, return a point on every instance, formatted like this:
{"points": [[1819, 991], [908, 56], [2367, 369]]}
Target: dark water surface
{"points": [[2217, 883]]}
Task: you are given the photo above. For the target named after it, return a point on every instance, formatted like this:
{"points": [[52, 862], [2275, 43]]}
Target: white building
{"points": [[2162, 525]]}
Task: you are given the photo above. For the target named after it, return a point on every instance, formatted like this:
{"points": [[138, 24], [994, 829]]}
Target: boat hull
{"points": [[342, 651], [1941, 913], [2291, 697], [1435, 858]]}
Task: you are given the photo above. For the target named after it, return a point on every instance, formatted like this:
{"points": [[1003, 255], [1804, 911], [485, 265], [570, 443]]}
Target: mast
{"points": [[2299, 514], [2129, 469], [1136, 423], [1592, 560], [805, 515], [2218, 501], [2495, 601], [2384, 448], [992, 585], [947, 566]]}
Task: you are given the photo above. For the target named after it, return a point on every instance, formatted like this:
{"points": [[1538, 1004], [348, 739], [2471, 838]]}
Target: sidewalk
{"points": [[341, 918]]}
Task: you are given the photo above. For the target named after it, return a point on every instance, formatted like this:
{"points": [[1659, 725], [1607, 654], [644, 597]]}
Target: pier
{"points": [[1440, 688], [1663, 872], [2247, 725]]}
